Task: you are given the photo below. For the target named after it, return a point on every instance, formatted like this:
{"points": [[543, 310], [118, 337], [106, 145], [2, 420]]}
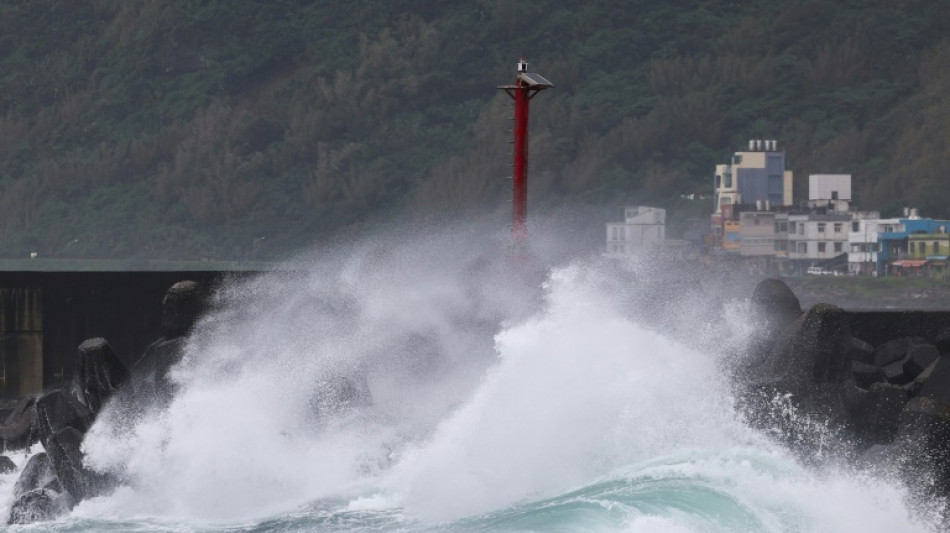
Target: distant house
{"points": [[756, 177], [643, 228]]}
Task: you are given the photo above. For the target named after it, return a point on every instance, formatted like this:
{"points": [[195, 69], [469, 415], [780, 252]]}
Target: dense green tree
{"points": [[190, 129]]}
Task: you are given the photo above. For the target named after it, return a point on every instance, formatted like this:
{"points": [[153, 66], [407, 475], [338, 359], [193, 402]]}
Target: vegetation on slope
{"points": [[234, 129]]}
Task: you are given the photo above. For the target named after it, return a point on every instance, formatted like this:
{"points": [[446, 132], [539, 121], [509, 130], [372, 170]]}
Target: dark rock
{"points": [[99, 373], [878, 417], [917, 385], [774, 306], [59, 409], [64, 449], [808, 365], [18, 431], [937, 385], [181, 307], [37, 474], [150, 375], [40, 505], [895, 373], [925, 428], [894, 350], [865, 374], [773, 299], [942, 341], [861, 351], [919, 357], [6, 465]]}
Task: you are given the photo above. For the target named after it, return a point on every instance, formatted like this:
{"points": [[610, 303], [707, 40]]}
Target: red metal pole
{"points": [[520, 172]]}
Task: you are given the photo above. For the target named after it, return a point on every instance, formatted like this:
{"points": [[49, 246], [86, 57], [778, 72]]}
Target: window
{"points": [[821, 227], [834, 195], [821, 247], [936, 248], [803, 247], [913, 247], [791, 227], [837, 247], [837, 227], [855, 227]]}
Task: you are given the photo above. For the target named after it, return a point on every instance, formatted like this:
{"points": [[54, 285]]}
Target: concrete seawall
{"points": [[44, 316]]}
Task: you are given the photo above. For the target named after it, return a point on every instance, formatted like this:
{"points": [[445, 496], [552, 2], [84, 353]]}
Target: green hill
{"points": [[232, 129]]}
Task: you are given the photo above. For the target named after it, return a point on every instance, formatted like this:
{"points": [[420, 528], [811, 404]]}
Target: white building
{"points": [[864, 242], [815, 237], [831, 191], [643, 228]]}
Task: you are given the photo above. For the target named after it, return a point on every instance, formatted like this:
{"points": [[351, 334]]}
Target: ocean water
{"points": [[546, 394]]}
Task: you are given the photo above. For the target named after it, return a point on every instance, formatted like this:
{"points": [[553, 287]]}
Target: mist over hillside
{"points": [[248, 130]]}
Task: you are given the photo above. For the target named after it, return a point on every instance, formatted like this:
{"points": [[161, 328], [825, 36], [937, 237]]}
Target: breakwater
{"points": [[44, 316]]}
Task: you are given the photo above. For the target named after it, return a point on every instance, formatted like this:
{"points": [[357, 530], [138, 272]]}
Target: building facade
{"points": [[755, 177], [643, 228]]}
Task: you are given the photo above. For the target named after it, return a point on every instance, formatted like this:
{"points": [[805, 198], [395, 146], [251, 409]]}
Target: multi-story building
{"points": [[643, 228], [755, 177], [895, 256], [864, 245], [816, 237]]}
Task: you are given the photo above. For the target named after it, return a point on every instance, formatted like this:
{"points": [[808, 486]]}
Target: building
{"points": [[757, 245], [864, 241], [815, 238], [643, 228], [929, 252], [831, 192], [756, 177]]}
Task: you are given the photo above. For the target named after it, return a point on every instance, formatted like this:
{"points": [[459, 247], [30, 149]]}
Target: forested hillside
{"points": [[238, 129]]}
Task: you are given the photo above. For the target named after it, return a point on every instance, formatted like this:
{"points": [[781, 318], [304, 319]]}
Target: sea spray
{"points": [[594, 401]]}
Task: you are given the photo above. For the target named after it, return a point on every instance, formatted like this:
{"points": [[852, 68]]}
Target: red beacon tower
{"points": [[527, 85]]}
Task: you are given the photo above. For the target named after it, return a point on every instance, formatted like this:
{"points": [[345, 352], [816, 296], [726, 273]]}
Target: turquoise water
{"points": [[498, 405]]}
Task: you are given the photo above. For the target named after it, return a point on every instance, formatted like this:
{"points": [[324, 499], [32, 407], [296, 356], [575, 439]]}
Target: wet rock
{"points": [[894, 350], [866, 374], [878, 416], [57, 410], [150, 375], [925, 428], [942, 341], [919, 357], [37, 474], [895, 373], [40, 505], [774, 306], [64, 449], [99, 373], [181, 307], [773, 299], [809, 365], [861, 351], [6, 465], [18, 431]]}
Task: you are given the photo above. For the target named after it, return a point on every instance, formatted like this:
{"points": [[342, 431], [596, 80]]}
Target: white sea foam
{"points": [[489, 392]]}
